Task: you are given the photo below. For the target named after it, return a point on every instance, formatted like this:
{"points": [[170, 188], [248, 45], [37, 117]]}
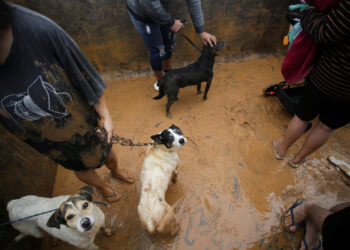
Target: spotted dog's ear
{"points": [[87, 192], [158, 138], [56, 220], [174, 127]]}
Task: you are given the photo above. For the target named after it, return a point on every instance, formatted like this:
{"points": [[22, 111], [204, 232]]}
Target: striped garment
{"points": [[331, 31]]}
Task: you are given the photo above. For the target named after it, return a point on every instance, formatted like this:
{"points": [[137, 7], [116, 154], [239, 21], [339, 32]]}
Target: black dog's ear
{"points": [[87, 192], [157, 138], [56, 220]]}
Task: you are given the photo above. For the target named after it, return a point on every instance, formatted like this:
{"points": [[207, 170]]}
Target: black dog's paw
{"points": [[199, 92], [204, 98], [169, 115]]}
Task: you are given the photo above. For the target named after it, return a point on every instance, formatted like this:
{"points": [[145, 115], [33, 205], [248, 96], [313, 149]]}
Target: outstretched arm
{"points": [[195, 10]]}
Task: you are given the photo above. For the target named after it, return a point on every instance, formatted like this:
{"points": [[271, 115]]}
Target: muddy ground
{"points": [[231, 190]]}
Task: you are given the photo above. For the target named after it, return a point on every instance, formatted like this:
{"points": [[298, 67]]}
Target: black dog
{"points": [[193, 74]]}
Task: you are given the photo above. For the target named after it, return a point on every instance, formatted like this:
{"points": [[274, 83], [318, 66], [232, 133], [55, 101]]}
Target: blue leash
{"points": [[38, 214]]}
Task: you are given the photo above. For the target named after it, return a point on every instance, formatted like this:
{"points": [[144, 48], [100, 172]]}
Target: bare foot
{"points": [[109, 194], [299, 216], [279, 154], [311, 237], [123, 176]]}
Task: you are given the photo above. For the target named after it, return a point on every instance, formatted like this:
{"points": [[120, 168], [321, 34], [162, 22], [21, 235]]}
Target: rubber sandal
{"points": [[307, 246], [278, 157], [295, 224], [296, 165]]}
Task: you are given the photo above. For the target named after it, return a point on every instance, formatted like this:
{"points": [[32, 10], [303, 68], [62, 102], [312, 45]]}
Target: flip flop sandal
{"points": [[295, 224], [296, 165], [307, 246], [278, 157]]}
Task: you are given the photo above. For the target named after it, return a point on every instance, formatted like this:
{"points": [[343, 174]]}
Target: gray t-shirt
{"points": [[47, 91]]}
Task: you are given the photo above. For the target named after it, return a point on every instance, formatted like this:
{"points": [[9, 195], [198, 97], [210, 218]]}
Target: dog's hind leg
{"points": [[171, 100], [199, 85], [160, 94], [210, 78]]}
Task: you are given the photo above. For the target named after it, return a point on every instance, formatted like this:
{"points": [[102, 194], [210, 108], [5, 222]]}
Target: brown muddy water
{"points": [[231, 190]]}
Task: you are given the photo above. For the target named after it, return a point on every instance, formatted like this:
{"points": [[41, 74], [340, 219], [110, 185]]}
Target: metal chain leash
{"points": [[102, 135]]}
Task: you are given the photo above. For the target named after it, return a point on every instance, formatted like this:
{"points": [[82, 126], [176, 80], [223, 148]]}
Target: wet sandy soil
{"points": [[231, 190]]}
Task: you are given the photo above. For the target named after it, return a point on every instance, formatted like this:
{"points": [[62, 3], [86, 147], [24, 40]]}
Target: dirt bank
{"points": [[231, 190]]}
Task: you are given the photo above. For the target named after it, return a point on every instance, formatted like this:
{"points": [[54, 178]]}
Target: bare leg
{"points": [[295, 130], [167, 64], [112, 164], [317, 137], [91, 178], [158, 74], [340, 206]]}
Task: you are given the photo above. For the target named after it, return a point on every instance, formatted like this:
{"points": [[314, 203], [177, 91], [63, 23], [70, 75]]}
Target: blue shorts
{"points": [[160, 41]]}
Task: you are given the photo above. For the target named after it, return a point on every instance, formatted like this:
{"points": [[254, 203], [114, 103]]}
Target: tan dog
{"points": [[77, 220], [159, 167]]}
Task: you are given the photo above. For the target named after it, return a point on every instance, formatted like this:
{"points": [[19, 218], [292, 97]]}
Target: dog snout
{"points": [[86, 223]]}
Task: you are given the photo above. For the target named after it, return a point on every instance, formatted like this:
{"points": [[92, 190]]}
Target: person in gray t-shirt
{"points": [[156, 28], [51, 96]]}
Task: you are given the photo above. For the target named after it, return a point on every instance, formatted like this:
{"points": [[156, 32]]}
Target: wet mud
{"points": [[230, 191]]}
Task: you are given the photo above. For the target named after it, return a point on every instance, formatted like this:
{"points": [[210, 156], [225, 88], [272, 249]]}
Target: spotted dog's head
{"points": [[76, 212], [171, 138]]}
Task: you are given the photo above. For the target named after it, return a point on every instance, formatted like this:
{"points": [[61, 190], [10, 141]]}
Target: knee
{"points": [[324, 127]]}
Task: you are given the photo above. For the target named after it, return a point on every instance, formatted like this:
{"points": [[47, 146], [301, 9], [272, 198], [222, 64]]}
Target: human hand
{"points": [[177, 26], [107, 124], [105, 117], [207, 38]]}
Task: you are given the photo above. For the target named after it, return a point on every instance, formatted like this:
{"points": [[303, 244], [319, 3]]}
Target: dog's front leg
{"points": [[174, 176], [199, 91], [208, 86]]}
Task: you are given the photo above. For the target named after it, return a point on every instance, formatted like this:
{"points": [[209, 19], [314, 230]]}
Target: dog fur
{"points": [[193, 74], [159, 167], [77, 220]]}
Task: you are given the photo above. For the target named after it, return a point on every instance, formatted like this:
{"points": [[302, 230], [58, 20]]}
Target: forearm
{"points": [[195, 9], [102, 109]]}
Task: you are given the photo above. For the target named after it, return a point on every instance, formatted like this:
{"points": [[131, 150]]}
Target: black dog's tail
{"points": [[161, 92]]}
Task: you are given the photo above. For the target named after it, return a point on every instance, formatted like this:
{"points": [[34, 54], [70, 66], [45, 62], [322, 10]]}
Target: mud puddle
{"points": [[231, 190]]}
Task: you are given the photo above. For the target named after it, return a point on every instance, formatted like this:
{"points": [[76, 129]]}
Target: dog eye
{"points": [[85, 205], [71, 216]]}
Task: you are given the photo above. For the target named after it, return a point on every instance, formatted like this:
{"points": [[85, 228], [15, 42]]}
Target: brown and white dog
{"points": [[159, 167], [76, 221]]}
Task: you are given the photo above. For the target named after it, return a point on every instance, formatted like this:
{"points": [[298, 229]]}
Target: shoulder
{"points": [[37, 26]]}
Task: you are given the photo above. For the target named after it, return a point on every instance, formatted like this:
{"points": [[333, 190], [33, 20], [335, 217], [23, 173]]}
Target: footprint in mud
{"points": [[239, 115], [202, 222]]}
